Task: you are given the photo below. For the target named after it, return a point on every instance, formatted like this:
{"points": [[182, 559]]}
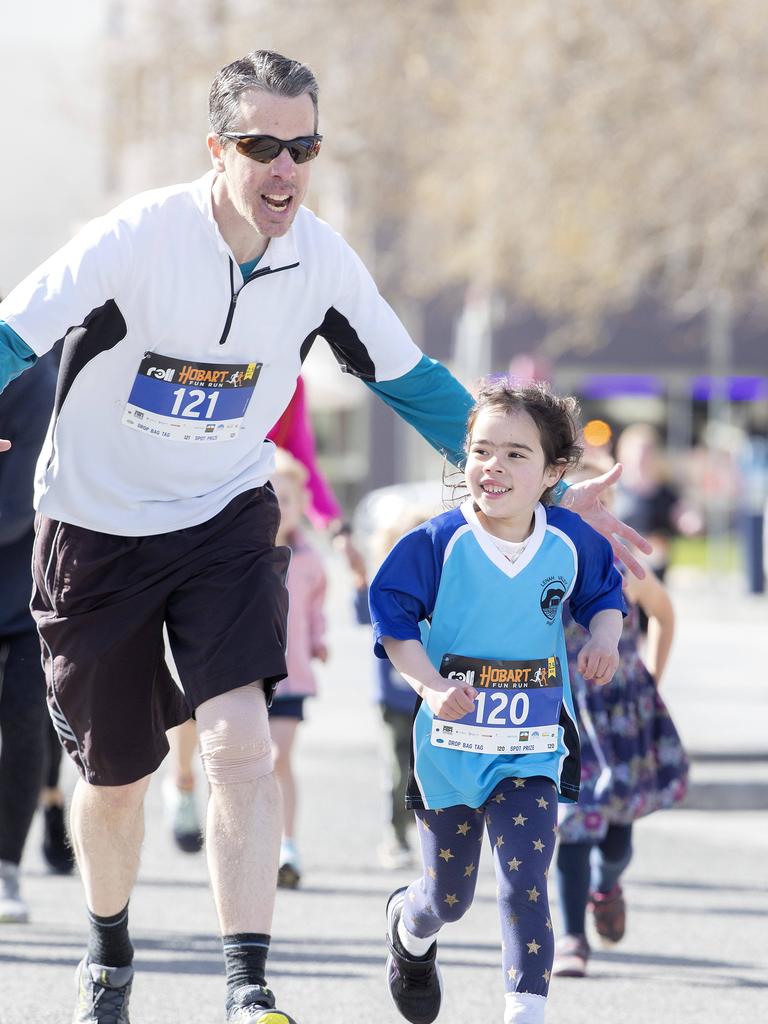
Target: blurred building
{"points": [[52, 104]]}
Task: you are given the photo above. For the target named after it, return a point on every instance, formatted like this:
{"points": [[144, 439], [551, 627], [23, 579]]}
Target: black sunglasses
{"points": [[266, 148]]}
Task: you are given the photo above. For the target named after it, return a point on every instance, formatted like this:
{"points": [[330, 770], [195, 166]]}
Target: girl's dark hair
{"points": [[556, 418]]}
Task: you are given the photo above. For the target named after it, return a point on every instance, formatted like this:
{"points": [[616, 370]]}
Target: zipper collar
{"points": [[234, 293]]}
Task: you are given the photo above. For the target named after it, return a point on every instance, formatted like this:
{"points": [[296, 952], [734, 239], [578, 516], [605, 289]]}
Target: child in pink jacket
{"points": [[306, 641]]}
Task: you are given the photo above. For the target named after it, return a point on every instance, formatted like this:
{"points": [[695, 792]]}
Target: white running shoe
{"points": [[394, 853], [13, 909]]}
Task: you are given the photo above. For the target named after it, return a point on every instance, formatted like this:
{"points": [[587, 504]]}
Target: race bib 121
{"points": [[178, 400]]}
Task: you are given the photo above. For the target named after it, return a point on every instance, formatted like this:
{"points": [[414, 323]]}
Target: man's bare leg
{"points": [[107, 826], [242, 846], [244, 819], [242, 842]]}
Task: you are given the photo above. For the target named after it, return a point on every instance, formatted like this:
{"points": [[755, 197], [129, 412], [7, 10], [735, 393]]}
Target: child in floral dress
{"points": [[632, 763]]}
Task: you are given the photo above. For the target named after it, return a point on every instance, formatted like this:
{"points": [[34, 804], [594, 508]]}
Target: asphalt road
{"points": [[697, 890]]}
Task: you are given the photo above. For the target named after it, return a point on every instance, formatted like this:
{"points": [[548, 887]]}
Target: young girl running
{"points": [[494, 739]]}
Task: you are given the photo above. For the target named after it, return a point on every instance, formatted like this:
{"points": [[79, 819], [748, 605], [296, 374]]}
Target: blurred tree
{"points": [[569, 154], [604, 147]]}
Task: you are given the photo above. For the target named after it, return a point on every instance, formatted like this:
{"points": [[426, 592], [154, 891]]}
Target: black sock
{"points": [[108, 941], [245, 959]]}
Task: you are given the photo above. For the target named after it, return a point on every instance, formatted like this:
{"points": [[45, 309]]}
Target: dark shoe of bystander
{"points": [[610, 914], [57, 850]]}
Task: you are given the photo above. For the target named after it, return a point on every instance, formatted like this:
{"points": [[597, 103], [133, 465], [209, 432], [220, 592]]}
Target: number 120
{"points": [[517, 708]]}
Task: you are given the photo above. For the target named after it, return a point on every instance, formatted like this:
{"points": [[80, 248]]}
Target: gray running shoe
{"points": [[102, 994], [13, 909], [255, 1004]]}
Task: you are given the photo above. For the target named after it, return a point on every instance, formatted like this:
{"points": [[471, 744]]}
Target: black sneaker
{"points": [[255, 1004], [414, 982], [288, 877], [57, 851], [102, 994]]}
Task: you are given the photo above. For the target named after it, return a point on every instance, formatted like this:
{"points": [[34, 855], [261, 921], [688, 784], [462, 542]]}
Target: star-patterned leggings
{"points": [[521, 819]]}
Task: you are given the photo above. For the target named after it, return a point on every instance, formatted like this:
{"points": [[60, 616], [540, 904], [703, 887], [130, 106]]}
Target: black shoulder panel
{"points": [[350, 352], [101, 330], [307, 344]]}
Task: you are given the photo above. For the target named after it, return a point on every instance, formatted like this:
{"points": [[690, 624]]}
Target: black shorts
{"points": [[100, 602], [287, 707]]}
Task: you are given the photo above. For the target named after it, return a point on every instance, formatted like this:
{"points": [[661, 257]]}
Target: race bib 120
{"points": [[517, 709], [177, 400]]}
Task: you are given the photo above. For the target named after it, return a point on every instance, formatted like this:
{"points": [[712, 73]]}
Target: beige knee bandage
{"points": [[234, 736]]}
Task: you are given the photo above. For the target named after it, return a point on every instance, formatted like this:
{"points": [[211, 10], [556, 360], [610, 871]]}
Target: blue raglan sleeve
{"points": [[404, 590], [598, 582]]}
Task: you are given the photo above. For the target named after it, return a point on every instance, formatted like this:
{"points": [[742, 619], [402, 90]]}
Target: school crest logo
{"points": [[553, 590]]}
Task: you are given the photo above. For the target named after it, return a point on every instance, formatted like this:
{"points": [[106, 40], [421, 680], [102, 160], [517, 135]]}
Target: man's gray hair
{"points": [[262, 69]]}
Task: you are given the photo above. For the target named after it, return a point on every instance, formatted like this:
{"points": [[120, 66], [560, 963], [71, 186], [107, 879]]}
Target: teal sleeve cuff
{"points": [[15, 355], [434, 402], [558, 491]]}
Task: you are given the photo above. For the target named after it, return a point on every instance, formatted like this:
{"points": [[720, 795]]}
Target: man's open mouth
{"points": [[277, 202]]}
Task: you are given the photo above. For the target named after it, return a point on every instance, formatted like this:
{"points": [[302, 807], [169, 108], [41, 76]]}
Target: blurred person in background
{"points": [[632, 764], [644, 497], [306, 642], [24, 724], [56, 848], [396, 701], [293, 432]]}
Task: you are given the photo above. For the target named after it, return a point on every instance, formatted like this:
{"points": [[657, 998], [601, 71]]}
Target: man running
{"points": [[154, 505]]}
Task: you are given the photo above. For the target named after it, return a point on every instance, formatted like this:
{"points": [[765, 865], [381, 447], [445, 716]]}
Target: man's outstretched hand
{"points": [[585, 498], [4, 445]]}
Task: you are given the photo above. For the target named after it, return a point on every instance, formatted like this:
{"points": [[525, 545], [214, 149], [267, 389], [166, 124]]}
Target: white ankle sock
{"points": [[524, 1008], [412, 943]]}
